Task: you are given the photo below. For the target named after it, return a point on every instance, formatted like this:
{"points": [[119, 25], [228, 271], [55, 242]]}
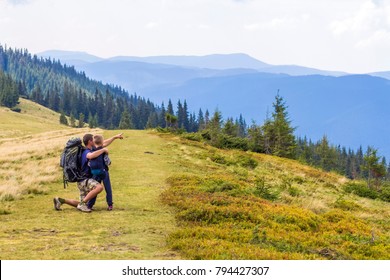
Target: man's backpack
{"points": [[71, 161]]}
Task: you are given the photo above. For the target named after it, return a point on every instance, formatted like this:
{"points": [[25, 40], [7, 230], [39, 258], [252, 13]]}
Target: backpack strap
{"points": [[65, 181]]}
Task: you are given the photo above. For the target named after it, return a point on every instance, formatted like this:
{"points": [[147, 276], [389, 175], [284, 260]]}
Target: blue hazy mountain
{"points": [[214, 61], [71, 57], [383, 74], [352, 110]]}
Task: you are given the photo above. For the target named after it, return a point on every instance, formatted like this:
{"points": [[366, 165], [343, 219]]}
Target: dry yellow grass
{"points": [[30, 162]]}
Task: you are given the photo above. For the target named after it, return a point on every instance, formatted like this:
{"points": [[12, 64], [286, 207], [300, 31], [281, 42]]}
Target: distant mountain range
{"points": [[351, 110]]}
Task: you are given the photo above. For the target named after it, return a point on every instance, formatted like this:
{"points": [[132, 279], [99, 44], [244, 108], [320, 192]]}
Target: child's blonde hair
{"points": [[98, 140]]}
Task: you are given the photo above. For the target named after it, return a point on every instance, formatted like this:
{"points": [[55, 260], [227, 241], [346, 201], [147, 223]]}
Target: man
{"points": [[89, 188]]}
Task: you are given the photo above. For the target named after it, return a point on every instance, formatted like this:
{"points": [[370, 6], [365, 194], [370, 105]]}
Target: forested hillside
{"points": [[63, 89]]}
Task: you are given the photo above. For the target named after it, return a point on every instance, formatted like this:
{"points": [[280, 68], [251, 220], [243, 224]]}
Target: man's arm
{"points": [[110, 140], [95, 154]]}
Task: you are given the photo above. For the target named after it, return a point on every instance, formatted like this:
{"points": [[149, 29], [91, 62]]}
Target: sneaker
{"points": [[83, 207], [57, 204], [110, 207]]}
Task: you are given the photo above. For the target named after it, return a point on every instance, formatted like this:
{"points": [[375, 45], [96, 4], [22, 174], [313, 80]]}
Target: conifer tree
{"points": [[161, 118], [125, 122], [373, 166], [255, 138], [215, 127], [81, 120], [72, 120], [63, 119], [230, 128], [201, 121], [170, 108], [282, 139]]}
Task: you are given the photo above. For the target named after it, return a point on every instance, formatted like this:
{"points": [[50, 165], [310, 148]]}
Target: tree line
{"points": [[276, 137]]}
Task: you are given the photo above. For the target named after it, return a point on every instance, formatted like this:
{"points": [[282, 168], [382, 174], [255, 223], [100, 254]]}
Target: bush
{"points": [[206, 134], [385, 193], [263, 191], [361, 190], [193, 136], [345, 204], [294, 191], [247, 162], [230, 142], [16, 109]]}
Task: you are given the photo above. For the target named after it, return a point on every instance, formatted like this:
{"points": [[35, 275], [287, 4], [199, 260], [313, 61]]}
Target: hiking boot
{"points": [[57, 204], [110, 207], [83, 207]]}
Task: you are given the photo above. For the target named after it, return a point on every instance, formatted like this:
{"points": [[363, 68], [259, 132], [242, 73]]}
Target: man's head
{"points": [[88, 140], [98, 140]]}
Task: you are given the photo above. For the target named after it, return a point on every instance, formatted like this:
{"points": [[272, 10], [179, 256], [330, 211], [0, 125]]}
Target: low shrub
{"points": [[247, 162], [264, 191], [193, 136], [294, 191], [16, 109], [361, 190], [345, 204], [385, 194]]}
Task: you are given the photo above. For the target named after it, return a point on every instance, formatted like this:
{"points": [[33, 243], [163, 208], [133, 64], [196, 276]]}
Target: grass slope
{"points": [[237, 205], [33, 119], [176, 198]]}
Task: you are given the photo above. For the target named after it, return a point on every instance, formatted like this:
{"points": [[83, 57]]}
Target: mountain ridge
{"points": [[212, 61]]}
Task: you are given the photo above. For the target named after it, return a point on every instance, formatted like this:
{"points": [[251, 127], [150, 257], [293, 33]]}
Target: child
{"points": [[99, 170]]}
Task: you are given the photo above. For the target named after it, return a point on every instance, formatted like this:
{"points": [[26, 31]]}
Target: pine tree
{"points": [[201, 121], [72, 120], [170, 108], [230, 128], [161, 117], [81, 120], [125, 122], [206, 119], [63, 119], [186, 122], [282, 139], [255, 138], [373, 166], [215, 127], [180, 115]]}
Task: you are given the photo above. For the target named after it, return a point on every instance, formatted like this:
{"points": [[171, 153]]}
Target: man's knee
{"points": [[99, 188]]}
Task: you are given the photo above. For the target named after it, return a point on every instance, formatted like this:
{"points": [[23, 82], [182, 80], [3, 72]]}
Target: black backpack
{"points": [[71, 161]]}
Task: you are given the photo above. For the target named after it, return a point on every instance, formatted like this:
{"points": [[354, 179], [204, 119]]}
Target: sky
{"points": [[340, 35]]}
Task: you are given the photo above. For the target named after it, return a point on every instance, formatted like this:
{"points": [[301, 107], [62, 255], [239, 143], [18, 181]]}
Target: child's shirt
{"points": [[100, 163]]}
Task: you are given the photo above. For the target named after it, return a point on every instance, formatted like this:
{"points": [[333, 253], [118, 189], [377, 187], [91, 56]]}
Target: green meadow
{"points": [[177, 199]]}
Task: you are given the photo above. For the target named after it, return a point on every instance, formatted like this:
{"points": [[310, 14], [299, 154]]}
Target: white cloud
{"points": [[311, 33], [277, 23], [151, 25], [19, 2], [371, 16], [378, 38]]}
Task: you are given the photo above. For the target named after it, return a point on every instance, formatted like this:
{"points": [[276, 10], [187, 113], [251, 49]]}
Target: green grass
{"points": [[136, 229], [178, 199]]}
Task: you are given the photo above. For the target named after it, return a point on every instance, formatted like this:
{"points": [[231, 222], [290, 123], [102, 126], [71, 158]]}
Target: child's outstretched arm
{"points": [[110, 140]]}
